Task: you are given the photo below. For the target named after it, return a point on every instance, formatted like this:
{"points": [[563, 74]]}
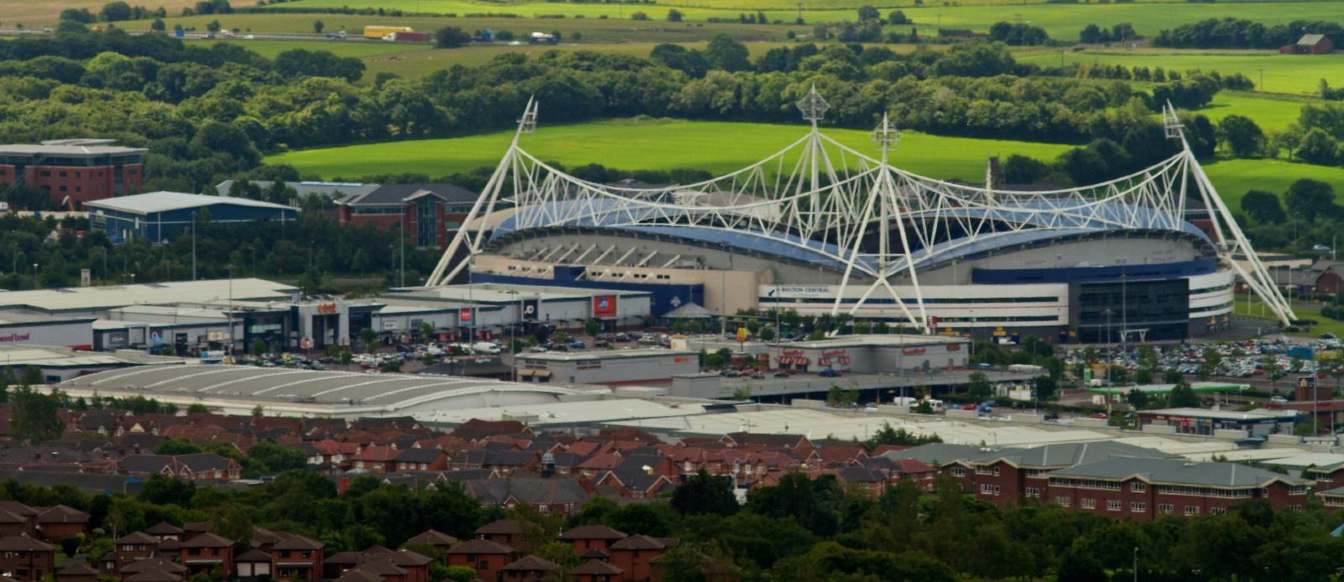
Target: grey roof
{"points": [[1176, 472], [1310, 39], [395, 194], [689, 311], [338, 190], [530, 490], [1046, 456], [419, 455], [66, 148], [154, 202]]}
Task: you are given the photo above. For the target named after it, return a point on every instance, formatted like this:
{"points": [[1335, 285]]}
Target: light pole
{"points": [[193, 246], [1136, 564]]}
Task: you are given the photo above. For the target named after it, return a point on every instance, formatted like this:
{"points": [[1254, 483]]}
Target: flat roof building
{"points": [[1254, 423], [290, 392], [634, 366], [872, 354], [73, 171], [161, 216]]}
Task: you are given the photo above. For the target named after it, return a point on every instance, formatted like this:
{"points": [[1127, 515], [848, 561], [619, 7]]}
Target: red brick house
{"points": [[487, 558], [634, 555], [296, 557], [597, 571], [27, 559], [586, 538], [529, 568], [60, 522], [207, 552]]}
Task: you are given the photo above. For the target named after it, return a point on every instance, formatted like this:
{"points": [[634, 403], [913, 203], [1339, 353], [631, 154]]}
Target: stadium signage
{"points": [[799, 291], [604, 306], [16, 337], [326, 308]]}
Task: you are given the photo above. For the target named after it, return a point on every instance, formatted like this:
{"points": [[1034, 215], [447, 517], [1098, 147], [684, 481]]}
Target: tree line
{"points": [[1245, 34]]}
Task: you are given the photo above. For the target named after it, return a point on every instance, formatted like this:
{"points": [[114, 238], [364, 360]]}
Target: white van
{"points": [[485, 348]]}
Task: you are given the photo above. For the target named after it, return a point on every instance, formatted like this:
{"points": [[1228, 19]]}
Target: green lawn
{"points": [[1063, 21], [1233, 178], [1293, 74], [651, 144], [1271, 113]]}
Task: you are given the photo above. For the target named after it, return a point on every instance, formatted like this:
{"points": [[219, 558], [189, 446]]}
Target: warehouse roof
{"points": [[60, 357], [497, 293], [395, 194], [108, 297], [1256, 414], [604, 355], [854, 341], [1166, 388], [154, 202], [343, 189], [316, 391]]}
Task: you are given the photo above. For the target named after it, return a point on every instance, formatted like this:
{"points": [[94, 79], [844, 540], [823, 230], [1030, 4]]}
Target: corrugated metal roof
{"points": [[153, 202]]}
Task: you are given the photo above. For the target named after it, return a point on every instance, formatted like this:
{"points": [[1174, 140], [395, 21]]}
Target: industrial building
{"points": [[1202, 421], [872, 354], [163, 216], [290, 392], [429, 213], [57, 364], [1144, 257], [73, 172], [633, 366], [492, 311]]}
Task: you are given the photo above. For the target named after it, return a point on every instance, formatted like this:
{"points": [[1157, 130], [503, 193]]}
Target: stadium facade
{"points": [[821, 228]]}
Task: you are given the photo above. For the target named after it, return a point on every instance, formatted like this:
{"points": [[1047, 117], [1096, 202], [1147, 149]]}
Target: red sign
{"points": [[913, 351], [15, 337], [604, 306], [326, 308], [464, 315], [954, 347]]}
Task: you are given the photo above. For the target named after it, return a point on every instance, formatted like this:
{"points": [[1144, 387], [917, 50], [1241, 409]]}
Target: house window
{"points": [[1138, 507], [1087, 503], [986, 489], [1138, 487], [1033, 492], [982, 470], [1064, 501], [1217, 510], [958, 471], [1192, 510], [1165, 508], [1112, 505]]}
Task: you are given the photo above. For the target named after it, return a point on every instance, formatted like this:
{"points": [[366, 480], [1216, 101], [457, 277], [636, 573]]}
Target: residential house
{"points": [[634, 555], [27, 559], [529, 568], [486, 557], [206, 553]]}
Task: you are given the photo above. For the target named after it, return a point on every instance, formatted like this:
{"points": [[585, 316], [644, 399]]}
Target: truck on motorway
{"points": [[380, 32]]}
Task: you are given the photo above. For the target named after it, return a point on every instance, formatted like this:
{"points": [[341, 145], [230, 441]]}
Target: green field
{"points": [[361, 50], [1063, 21], [1233, 178], [591, 29], [1271, 113], [645, 144], [1293, 74]]}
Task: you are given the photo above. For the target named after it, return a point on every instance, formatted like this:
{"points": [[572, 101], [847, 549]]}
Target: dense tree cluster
{"points": [[1018, 34], [1241, 33], [1093, 34]]}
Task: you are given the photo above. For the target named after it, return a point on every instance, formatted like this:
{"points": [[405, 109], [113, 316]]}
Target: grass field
{"points": [[591, 29], [1293, 74], [1271, 113], [651, 145], [366, 51], [1063, 21], [1233, 178], [43, 12]]}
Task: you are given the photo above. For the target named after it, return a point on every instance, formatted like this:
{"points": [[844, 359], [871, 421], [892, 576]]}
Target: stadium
{"points": [[822, 228]]}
